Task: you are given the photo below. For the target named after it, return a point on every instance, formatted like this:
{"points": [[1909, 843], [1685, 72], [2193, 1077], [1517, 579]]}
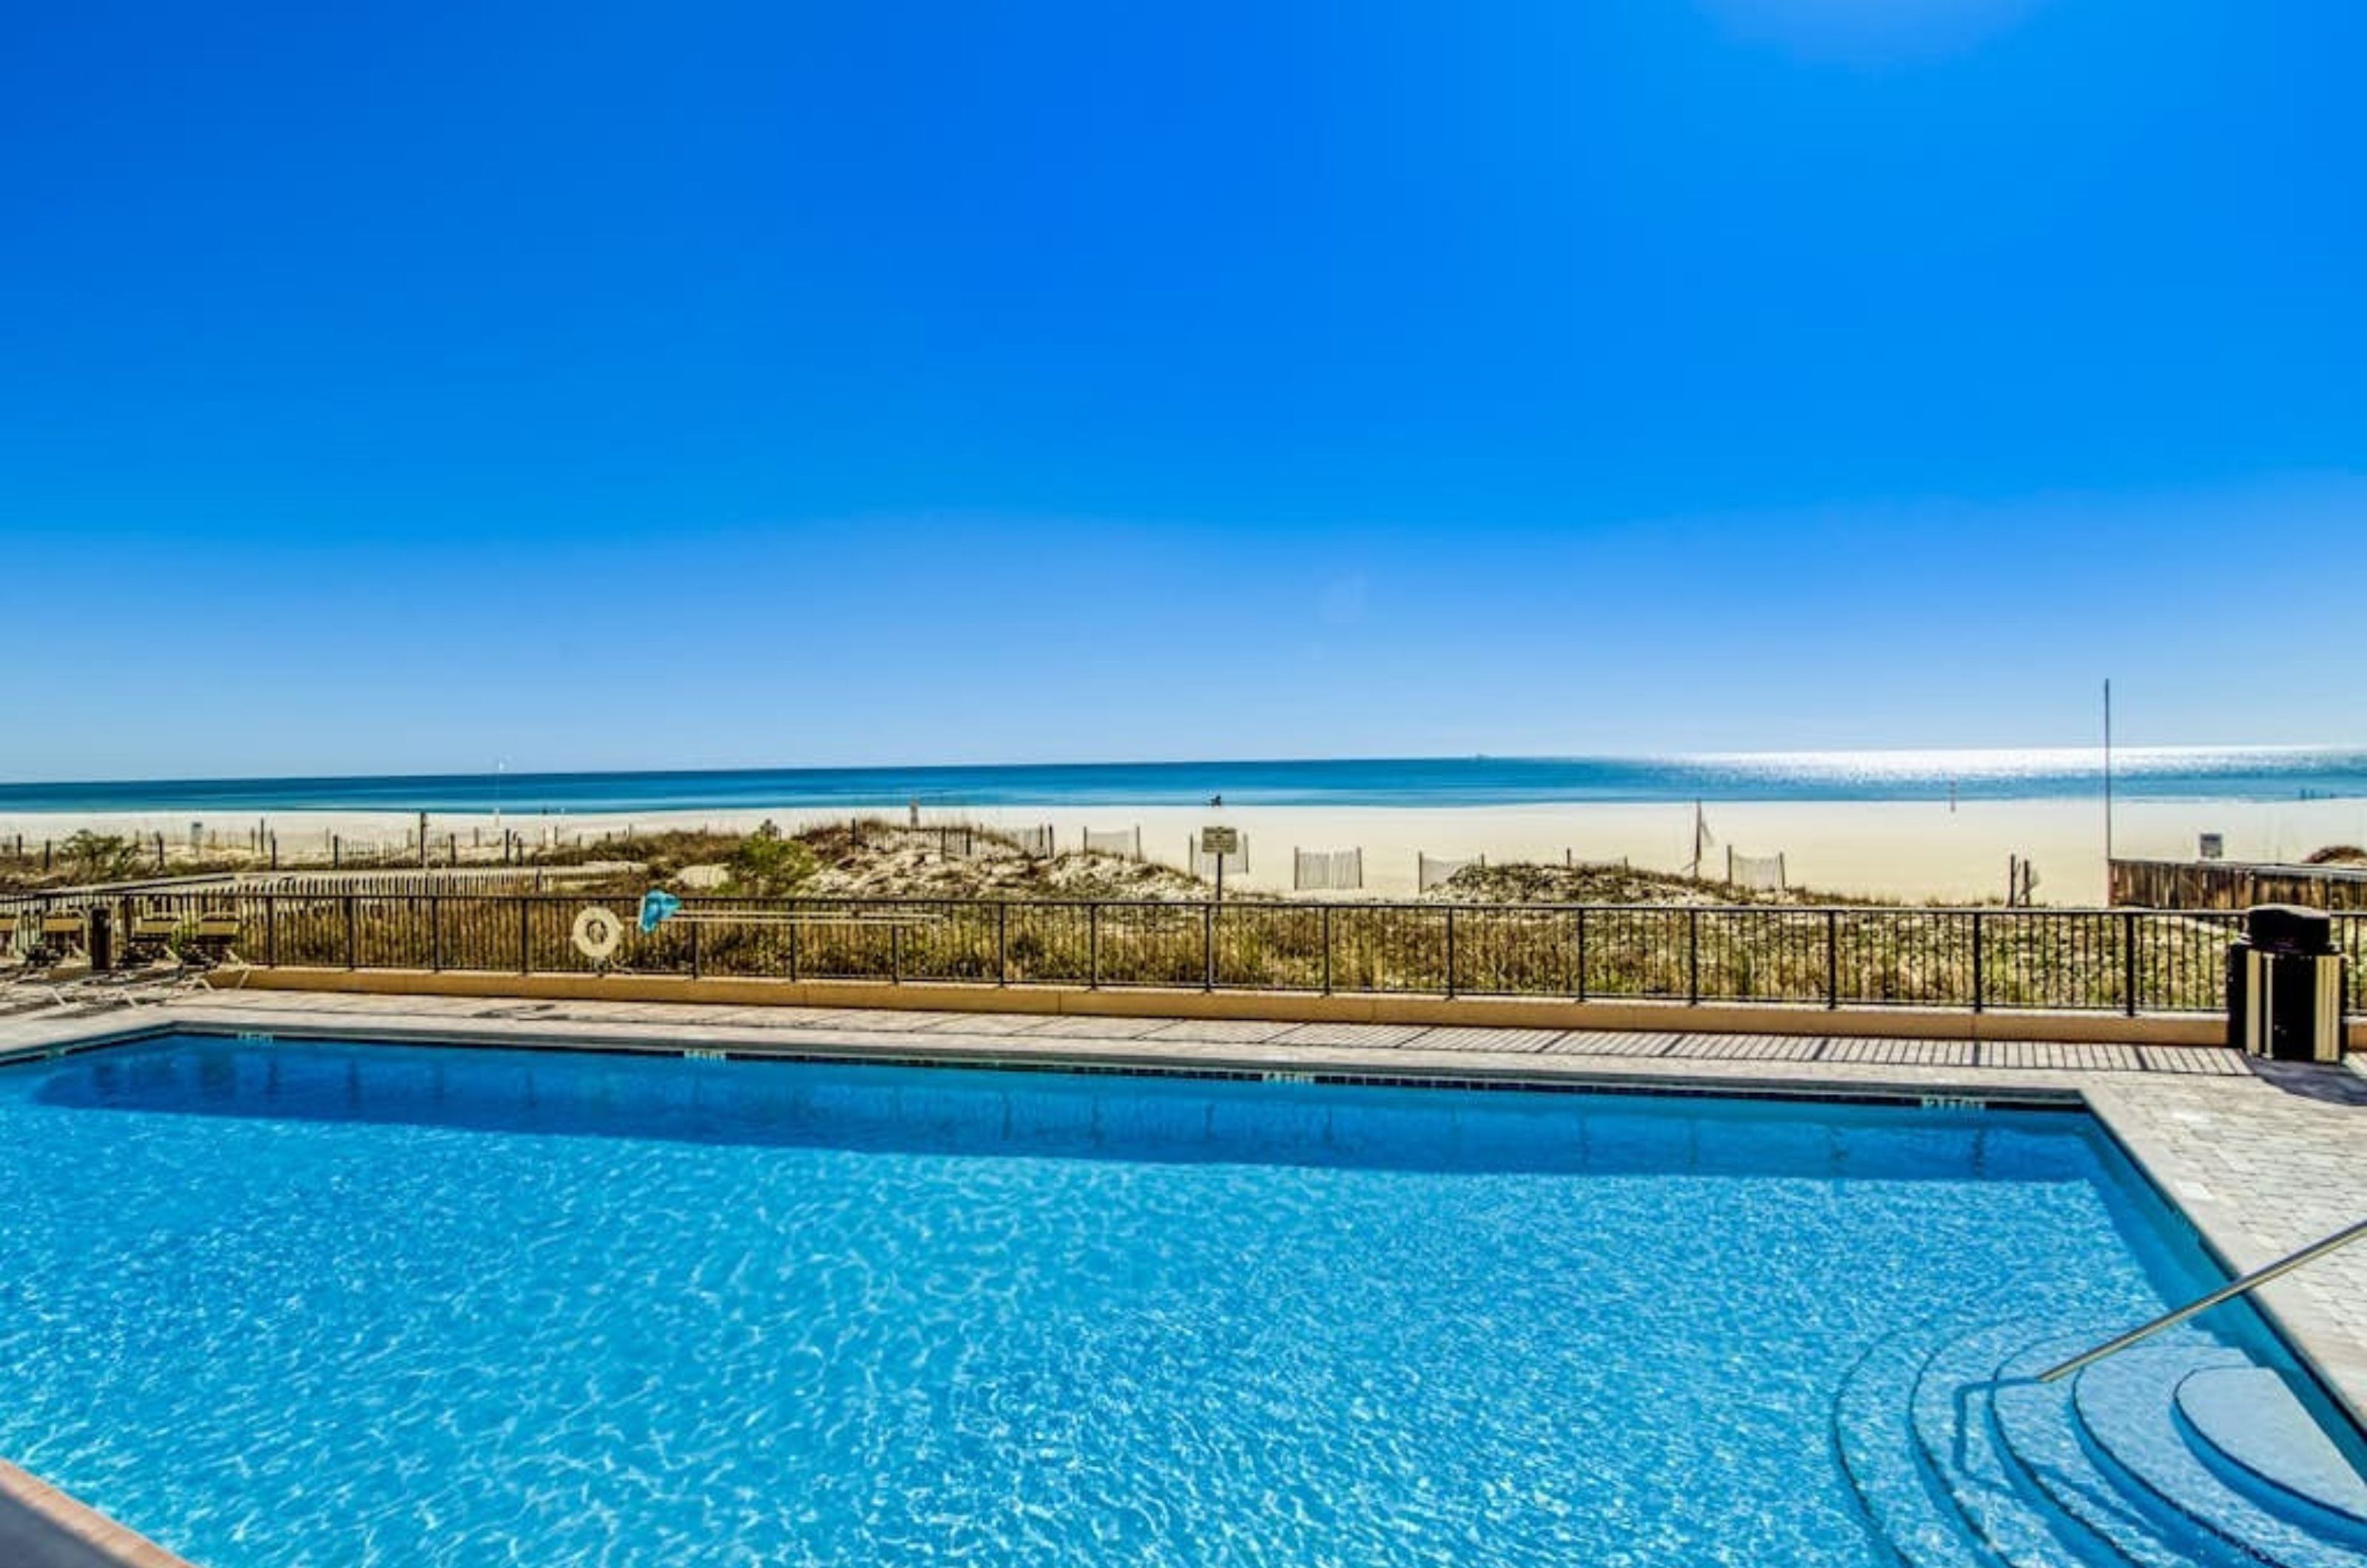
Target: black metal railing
{"points": [[2126, 961]]}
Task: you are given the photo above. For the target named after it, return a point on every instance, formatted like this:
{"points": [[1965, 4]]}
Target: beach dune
{"points": [[1907, 849]]}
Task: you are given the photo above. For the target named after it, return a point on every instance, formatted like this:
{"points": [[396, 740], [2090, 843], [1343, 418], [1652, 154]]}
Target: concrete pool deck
{"points": [[2263, 1159]]}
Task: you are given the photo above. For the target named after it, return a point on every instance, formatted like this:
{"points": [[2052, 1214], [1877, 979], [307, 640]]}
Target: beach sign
{"points": [[655, 908], [1220, 840]]}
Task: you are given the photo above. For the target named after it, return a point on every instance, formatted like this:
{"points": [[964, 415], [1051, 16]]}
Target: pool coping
{"points": [[42, 1526], [2000, 1089], [2332, 1355]]}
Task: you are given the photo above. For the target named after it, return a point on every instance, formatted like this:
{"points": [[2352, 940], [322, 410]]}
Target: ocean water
{"points": [[2227, 773], [280, 1304]]}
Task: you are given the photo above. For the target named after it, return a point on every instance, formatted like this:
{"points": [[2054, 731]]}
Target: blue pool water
{"points": [[280, 1304]]}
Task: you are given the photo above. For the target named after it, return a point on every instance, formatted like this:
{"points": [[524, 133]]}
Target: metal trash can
{"points": [[100, 939], [2284, 985]]}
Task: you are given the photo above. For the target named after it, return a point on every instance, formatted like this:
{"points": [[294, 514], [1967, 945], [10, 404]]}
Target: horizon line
{"points": [[2030, 753]]}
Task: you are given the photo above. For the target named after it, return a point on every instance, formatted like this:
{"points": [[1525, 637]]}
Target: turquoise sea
{"points": [[2257, 773]]}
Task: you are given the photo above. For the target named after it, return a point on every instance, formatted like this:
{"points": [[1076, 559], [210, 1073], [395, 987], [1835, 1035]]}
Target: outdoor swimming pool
{"points": [[282, 1303]]}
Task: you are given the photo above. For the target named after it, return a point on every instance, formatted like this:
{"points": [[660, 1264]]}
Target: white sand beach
{"points": [[1914, 850]]}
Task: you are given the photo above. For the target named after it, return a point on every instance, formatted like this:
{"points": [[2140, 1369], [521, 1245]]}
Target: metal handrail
{"points": [[2244, 1286]]}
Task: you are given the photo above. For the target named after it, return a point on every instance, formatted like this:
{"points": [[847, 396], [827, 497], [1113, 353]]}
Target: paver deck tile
{"points": [[1088, 1026], [1754, 1047], [1611, 1042], [895, 1020], [1228, 1031], [2199, 1061], [984, 1023], [1907, 1053], [1484, 1039], [1381, 1035]]}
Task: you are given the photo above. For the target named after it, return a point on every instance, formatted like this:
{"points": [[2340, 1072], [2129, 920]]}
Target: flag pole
{"points": [[2107, 782]]}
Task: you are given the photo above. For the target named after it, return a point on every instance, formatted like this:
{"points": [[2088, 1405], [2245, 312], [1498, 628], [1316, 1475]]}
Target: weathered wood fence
{"points": [[2235, 885]]}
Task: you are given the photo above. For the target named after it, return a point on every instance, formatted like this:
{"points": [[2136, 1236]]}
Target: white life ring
{"points": [[598, 933]]}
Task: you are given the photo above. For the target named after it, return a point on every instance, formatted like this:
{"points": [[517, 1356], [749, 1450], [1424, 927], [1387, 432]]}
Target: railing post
{"points": [[525, 936], [794, 953], [2129, 961], [895, 951], [271, 931], [1832, 960], [353, 940], [1207, 947], [1327, 949], [435, 932], [1093, 947], [1580, 989], [694, 950], [1450, 951], [1693, 956], [1003, 943], [1980, 978]]}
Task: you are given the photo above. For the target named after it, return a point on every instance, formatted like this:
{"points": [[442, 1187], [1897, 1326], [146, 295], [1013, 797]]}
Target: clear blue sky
{"points": [[676, 385]]}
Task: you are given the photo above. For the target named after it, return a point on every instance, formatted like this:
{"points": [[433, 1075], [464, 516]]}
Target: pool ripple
{"points": [[366, 1304]]}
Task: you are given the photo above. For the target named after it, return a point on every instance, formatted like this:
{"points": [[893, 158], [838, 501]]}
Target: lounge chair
{"points": [[150, 939], [212, 940], [60, 940]]}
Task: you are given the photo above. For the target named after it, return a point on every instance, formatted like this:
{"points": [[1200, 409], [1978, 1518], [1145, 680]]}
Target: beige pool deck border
{"points": [[2256, 1167], [40, 1526]]}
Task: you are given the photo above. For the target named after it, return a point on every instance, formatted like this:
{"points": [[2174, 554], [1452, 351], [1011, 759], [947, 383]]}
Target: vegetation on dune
{"points": [[877, 858], [863, 858], [767, 865], [91, 857], [99, 857], [1610, 883], [874, 858]]}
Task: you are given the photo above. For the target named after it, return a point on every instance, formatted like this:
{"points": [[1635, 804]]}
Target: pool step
{"points": [[1959, 1437], [2040, 1430], [1875, 1437], [2249, 1427], [2180, 1453], [2126, 1412]]}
